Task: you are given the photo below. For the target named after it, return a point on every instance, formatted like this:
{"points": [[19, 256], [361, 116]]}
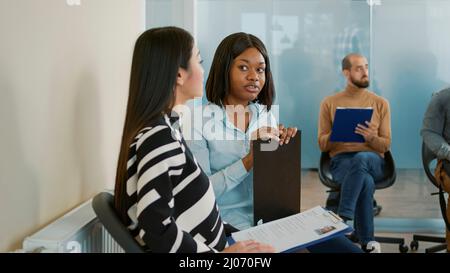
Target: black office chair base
{"points": [[402, 247], [432, 239]]}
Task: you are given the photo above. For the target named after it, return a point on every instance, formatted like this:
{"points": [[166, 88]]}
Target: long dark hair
{"points": [[158, 54], [218, 82]]}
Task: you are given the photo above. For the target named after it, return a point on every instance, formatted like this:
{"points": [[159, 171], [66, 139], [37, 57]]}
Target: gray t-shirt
{"points": [[436, 125]]}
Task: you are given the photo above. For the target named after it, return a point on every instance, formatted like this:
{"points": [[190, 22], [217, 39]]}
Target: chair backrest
{"points": [[326, 177], [427, 157], [103, 205], [324, 171], [389, 172]]}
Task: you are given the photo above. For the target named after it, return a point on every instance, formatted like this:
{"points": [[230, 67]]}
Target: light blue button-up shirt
{"points": [[219, 148]]}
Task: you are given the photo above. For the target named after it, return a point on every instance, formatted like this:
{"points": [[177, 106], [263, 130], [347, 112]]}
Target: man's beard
{"points": [[361, 83]]}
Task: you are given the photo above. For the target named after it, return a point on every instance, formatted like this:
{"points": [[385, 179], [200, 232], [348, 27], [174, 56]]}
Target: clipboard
{"points": [[345, 121], [276, 180], [297, 231]]}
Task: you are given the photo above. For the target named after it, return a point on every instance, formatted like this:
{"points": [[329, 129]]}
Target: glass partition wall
{"points": [[405, 42]]}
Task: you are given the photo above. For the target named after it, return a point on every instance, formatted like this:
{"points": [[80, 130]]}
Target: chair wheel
{"points": [[352, 237], [377, 209], [414, 245], [403, 248]]}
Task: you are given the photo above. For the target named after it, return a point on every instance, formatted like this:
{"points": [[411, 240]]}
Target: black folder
{"points": [[276, 179]]}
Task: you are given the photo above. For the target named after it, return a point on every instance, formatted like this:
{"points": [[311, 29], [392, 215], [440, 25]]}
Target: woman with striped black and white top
{"points": [[161, 193]]}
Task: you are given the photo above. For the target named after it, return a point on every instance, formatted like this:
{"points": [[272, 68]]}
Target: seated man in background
{"points": [[356, 166], [436, 136]]}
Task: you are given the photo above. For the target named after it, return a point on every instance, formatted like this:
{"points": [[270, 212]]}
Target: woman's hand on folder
{"points": [[368, 132], [266, 133], [286, 133], [249, 246], [261, 133]]}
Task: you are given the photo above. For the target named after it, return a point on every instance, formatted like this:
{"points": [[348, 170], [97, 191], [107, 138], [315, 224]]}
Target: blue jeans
{"points": [[356, 173], [336, 245]]}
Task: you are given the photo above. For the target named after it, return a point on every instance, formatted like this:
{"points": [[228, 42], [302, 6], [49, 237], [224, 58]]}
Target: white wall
{"points": [[64, 73]]}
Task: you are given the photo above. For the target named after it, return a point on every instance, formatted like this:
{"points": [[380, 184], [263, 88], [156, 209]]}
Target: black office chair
{"points": [[427, 157], [388, 180], [103, 205]]}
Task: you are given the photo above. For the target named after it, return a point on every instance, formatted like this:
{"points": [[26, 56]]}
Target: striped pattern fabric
{"points": [[171, 203]]}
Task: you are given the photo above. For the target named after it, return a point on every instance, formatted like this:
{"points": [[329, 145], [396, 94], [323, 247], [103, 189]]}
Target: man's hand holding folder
{"points": [[368, 132]]}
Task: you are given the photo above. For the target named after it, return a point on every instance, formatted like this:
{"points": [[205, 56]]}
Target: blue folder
{"points": [[345, 122]]}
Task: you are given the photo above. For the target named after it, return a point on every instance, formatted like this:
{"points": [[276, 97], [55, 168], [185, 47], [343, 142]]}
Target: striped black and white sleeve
{"points": [[161, 160]]}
